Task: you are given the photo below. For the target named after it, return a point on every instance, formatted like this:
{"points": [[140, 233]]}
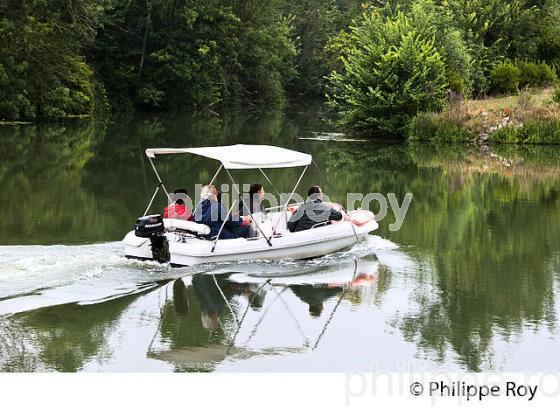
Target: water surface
{"points": [[469, 282]]}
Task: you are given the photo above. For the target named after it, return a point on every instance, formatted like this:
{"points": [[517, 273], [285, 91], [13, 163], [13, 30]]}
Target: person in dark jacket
{"points": [[312, 212], [212, 213]]}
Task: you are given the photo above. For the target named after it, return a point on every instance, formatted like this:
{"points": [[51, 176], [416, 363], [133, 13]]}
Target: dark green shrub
{"points": [[529, 73], [390, 71], [535, 74], [547, 75], [457, 82], [505, 78]]}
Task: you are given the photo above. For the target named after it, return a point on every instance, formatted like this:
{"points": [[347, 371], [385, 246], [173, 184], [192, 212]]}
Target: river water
{"points": [[469, 282]]}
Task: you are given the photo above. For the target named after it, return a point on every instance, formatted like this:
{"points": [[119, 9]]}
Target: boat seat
{"points": [[361, 217], [189, 226]]}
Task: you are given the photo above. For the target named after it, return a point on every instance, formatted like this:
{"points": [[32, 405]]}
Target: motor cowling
{"points": [[152, 227], [149, 226]]}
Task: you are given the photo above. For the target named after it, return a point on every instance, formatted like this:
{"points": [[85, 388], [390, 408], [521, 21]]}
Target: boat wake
{"points": [[33, 277], [38, 276]]}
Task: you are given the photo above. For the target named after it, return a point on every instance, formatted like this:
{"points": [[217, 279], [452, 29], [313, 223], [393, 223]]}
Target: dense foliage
{"points": [[505, 77], [194, 54], [476, 40], [391, 70], [60, 58], [508, 77], [43, 72]]}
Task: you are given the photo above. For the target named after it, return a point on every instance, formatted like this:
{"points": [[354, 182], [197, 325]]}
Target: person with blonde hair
{"points": [[213, 214]]}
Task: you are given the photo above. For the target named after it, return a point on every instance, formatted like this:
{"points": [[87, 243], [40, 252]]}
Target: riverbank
{"points": [[531, 117]]}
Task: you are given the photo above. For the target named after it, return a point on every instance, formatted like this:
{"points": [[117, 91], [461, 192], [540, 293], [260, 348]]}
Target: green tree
{"points": [[437, 20], [548, 44], [494, 30], [43, 72], [390, 71], [194, 54], [315, 21]]}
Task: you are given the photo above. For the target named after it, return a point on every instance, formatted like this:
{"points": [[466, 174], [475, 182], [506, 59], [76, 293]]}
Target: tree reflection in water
{"points": [[480, 231], [60, 338]]}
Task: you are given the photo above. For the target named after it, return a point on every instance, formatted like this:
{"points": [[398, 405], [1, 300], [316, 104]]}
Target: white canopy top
{"points": [[243, 156]]}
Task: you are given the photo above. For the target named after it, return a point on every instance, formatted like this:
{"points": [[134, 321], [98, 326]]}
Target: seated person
{"points": [[312, 212], [212, 213], [252, 204], [254, 201], [179, 209]]}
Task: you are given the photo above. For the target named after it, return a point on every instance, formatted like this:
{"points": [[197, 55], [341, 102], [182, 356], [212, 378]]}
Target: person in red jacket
{"points": [[179, 209]]}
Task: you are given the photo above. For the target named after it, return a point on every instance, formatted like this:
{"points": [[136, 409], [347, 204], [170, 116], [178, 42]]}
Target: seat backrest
{"points": [[190, 226]]}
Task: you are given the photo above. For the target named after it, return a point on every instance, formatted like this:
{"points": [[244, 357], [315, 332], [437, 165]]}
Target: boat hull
{"points": [[188, 251]]}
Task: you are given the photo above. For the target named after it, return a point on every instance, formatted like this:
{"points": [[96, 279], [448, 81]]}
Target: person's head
{"points": [[209, 192], [181, 192], [256, 191], [316, 191]]}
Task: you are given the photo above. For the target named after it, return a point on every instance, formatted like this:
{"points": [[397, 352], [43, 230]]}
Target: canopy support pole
{"points": [[248, 208], [211, 182], [298, 326], [152, 200], [159, 178], [232, 343], [223, 224], [270, 182], [265, 312], [285, 208], [216, 174], [227, 302], [159, 185]]}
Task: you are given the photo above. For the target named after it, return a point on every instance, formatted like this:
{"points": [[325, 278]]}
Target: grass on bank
{"points": [[531, 117]]}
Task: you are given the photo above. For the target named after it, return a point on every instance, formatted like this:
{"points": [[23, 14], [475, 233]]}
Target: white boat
{"points": [[183, 243]]}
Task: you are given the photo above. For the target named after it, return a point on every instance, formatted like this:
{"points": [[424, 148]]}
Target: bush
{"points": [[538, 131], [390, 71], [535, 75], [556, 95], [547, 75], [529, 73], [449, 41], [457, 83], [438, 128], [505, 78]]}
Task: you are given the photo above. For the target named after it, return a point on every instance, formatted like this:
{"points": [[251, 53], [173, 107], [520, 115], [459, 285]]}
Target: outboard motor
{"points": [[151, 226]]}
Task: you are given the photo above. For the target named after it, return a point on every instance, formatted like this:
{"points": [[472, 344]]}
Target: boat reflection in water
{"points": [[215, 318]]}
